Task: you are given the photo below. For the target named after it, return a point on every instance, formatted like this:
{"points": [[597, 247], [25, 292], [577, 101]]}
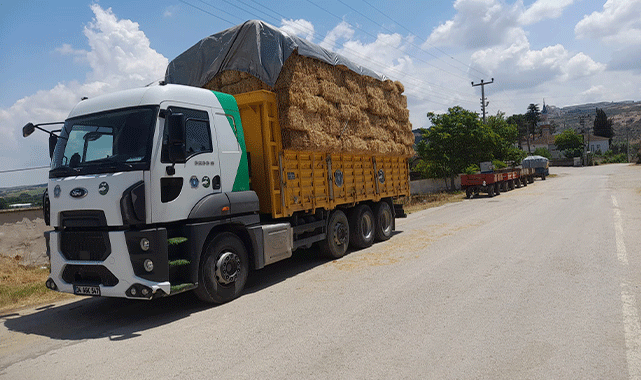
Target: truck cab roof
{"points": [[152, 95]]}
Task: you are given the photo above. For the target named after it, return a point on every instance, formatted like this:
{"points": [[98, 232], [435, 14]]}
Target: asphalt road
{"points": [[541, 282]]}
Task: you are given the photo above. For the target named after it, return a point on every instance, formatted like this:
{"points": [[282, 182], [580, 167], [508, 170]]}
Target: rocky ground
{"points": [[22, 237]]}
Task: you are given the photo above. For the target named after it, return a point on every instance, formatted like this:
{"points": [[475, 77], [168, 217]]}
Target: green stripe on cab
{"points": [[228, 102]]}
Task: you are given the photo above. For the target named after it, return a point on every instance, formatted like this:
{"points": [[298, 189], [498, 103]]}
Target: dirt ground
{"points": [[22, 235]]}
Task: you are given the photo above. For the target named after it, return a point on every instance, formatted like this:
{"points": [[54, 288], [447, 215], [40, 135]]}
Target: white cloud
{"points": [[477, 24], [301, 28], [120, 58], [517, 65], [619, 23], [342, 31], [544, 9]]}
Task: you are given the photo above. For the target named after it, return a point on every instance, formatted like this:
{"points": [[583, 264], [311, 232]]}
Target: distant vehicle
{"points": [[539, 163]]}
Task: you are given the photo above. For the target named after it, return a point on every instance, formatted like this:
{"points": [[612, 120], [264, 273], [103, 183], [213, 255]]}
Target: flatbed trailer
{"points": [[496, 182]]}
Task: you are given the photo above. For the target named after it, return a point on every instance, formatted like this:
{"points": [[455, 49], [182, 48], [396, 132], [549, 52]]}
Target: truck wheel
{"points": [[361, 226], [337, 239], [543, 177], [468, 193], [223, 269], [384, 221]]}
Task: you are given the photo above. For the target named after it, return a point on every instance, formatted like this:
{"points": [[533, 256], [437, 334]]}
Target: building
{"points": [[593, 144]]}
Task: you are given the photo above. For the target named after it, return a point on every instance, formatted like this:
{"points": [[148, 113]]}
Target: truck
{"points": [[539, 164], [159, 190]]}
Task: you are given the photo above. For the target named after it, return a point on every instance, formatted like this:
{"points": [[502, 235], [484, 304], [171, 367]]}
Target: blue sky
{"points": [[566, 51]]}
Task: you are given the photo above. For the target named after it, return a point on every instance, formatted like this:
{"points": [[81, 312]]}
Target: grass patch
{"points": [[22, 286], [416, 203]]}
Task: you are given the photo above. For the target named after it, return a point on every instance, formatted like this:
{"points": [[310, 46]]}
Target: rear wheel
{"points": [[224, 267], [337, 239], [468, 193], [361, 226], [384, 221]]}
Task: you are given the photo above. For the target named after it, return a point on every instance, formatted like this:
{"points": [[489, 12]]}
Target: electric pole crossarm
{"points": [[483, 102]]}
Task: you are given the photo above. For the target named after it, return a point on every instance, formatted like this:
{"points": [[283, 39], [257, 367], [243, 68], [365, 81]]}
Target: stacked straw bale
{"points": [[332, 109]]}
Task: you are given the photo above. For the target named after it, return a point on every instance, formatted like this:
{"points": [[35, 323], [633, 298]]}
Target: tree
{"points": [[603, 125], [533, 116], [456, 140], [507, 135], [545, 152], [521, 126], [570, 143]]}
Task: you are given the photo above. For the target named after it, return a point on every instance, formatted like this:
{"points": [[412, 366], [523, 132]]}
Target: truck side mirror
{"points": [[53, 140], [28, 129], [176, 126]]}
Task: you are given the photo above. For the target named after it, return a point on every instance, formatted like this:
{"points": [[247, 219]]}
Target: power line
{"points": [[409, 31], [23, 169], [385, 68], [209, 13], [411, 43], [373, 36]]}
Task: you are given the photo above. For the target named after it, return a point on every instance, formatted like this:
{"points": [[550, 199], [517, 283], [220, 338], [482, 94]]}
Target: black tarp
{"points": [[254, 47]]}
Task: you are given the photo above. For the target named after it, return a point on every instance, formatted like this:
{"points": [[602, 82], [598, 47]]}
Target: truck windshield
{"points": [[111, 141]]}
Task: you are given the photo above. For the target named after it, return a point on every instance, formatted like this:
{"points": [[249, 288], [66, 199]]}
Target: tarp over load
{"points": [[535, 162], [326, 102]]}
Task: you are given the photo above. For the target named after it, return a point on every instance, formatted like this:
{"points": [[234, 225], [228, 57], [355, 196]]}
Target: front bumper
{"points": [[116, 273]]}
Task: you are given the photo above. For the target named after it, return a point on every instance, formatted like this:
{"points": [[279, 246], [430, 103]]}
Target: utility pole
{"points": [[483, 102]]}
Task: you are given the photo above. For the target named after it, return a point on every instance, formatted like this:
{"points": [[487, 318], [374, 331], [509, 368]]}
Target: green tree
{"points": [[545, 152], [3, 204], [521, 125], [456, 140], [570, 143], [532, 117], [507, 135], [603, 125]]}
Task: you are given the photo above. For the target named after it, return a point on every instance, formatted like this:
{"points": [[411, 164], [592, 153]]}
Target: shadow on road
{"points": [[120, 319]]}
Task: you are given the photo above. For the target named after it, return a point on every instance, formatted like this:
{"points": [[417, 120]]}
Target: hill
{"points": [[626, 114]]}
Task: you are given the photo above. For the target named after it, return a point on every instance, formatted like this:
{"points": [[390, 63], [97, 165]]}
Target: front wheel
{"points": [[224, 267]]}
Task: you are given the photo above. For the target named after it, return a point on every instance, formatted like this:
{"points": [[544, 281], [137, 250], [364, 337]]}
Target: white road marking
{"points": [[632, 329], [622, 254], [631, 324]]}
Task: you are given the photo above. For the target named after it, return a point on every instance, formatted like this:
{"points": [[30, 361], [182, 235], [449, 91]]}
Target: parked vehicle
{"points": [[540, 165], [495, 182], [158, 190]]}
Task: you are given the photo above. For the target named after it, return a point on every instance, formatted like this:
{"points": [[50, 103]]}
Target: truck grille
{"points": [[89, 275], [85, 245]]}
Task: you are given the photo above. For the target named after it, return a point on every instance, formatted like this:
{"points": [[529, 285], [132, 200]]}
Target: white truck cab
{"points": [[132, 205]]}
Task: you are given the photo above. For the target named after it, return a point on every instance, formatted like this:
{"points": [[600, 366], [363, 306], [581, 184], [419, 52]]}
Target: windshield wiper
{"points": [[118, 165], [65, 170]]}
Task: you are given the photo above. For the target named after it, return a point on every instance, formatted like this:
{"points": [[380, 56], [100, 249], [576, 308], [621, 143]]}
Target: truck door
{"points": [[176, 188]]}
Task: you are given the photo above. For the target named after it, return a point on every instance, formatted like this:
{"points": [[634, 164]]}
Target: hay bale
{"points": [[349, 112], [228, 77], [379, 107], [333, 92], [399, 87], [330, 108]]}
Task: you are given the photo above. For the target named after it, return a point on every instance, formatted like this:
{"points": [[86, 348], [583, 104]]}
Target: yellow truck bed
{"points": [[288, 181]]}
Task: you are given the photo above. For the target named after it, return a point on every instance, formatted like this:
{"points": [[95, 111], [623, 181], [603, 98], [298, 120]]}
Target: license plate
{"points": [[86, 290]]}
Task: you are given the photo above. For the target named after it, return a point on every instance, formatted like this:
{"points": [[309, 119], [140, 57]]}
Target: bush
{"points": [[499, 164], [545, 152], [472, 169], [615, 158]]}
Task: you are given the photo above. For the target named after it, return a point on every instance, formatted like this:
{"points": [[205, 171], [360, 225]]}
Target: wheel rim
{"points": [[367, 226], [385, 220], [340, 233], [227, 268]]}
